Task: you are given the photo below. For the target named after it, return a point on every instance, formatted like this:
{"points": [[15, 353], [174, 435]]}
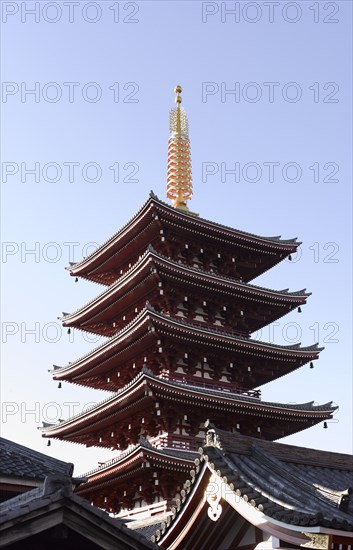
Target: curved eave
{"points": [[130, 460], [146, 386], [113, 244], [188, 275], [219, 336], [189, 518], [97, 257], [101, 411], [134, 275], [107, 349], [223, 231], [149, 322]]}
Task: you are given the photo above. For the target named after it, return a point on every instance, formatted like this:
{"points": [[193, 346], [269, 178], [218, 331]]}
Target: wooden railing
{"points": [[219, 386], [179, 442], [144, 511]]}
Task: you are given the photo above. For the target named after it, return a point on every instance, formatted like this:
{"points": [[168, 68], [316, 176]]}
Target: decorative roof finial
{"points": [[178, 89], [179, 180]]}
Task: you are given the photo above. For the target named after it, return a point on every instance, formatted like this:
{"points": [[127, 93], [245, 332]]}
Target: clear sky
{"points": [[86, 91]]}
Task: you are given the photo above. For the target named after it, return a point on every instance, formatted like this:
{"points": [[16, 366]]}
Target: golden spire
{"points": [[179, 180]]}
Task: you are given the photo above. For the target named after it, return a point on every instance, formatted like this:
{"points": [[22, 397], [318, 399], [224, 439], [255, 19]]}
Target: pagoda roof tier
{"points": [[145, 280], [134, 471], [149, 403], [151, 330], [153, 223]]}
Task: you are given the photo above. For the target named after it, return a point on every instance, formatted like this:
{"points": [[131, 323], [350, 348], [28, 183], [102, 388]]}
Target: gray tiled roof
{"points": [[22, 462], [296, 485], [148, 530], [41, 500]]}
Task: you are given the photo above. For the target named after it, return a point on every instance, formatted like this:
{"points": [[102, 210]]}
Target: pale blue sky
{"points": [[173, 43]]}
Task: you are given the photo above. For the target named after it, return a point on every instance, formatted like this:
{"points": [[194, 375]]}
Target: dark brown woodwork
{"points": [[174, 351]]}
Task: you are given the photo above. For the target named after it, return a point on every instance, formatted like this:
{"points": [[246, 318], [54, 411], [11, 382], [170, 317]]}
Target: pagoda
{"points": [[178, 310]]}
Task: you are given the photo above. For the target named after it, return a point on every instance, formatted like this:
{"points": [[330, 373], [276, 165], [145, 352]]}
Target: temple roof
{"points": [[22, 462], [146, 386], [149, 324], [154, 210], [98, 309], [274, 486], [131, 459], [41, 517]]}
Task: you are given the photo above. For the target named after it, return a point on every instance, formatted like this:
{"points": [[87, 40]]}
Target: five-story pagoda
{"points": [[178, 310]]}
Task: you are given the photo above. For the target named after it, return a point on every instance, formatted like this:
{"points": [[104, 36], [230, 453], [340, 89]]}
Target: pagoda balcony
{"points": [[177, 443], [213, 385]]}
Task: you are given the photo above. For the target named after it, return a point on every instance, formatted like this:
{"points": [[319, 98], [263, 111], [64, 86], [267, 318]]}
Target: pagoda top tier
{"points": [[176, 234]]}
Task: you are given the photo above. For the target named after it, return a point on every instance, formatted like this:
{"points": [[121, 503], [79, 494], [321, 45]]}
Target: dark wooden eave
{"points": [[135, 472], [141, 398], [126, 462], [108, 262], [143, 282], [147, 332]]}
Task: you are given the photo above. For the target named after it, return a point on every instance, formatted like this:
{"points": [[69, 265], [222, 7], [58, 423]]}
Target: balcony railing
{"points": [[219, 386], [143, 512], [178, 442]]}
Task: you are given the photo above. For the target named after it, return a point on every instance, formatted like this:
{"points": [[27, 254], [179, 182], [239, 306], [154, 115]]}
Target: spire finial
{"points": [[178, 89], [179, 181]]}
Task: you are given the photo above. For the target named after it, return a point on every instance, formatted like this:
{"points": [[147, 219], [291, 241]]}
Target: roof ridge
{"points": [[308, 406], [108, 340], [178, 320], [224, 277], [273, 463], [108, 289], [96, 405], [36, 457], [313, 347], [143, 443], [150, 250], [276, 238], [150, 198], [145, 371], [153, 198]]}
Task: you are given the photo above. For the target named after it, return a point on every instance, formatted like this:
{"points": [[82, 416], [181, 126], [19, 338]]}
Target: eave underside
{"points": [[150, 406], [170, 287], [161, 342], [157, 222], [143, 475]]}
